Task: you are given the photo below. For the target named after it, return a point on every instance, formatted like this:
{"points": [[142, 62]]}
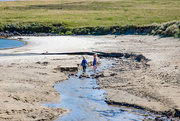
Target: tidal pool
{"points": [[9, 0], [6, 43]]}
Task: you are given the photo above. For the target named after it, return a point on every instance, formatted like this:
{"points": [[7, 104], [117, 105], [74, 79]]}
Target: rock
{"points": [[113, 74], [177, 113], [87, 76], [16, 33], [45, 63], [67, 68], [38, 62], [176, 67], [140, 57], [97, 76], [83, 75], [93, 75], [80, 76], [127, 55], [98, 88], [72, 74], [54, 71], [81, 96], [33, 117]]}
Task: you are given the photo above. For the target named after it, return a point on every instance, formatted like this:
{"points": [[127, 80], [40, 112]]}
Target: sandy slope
{"points": [[24, 84]]}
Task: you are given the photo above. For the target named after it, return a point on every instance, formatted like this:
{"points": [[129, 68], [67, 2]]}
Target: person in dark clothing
{"points": [[84, 64], [95, 62]]}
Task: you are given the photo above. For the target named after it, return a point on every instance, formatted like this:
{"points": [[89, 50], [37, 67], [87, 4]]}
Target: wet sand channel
{"points": [[87, 102]]}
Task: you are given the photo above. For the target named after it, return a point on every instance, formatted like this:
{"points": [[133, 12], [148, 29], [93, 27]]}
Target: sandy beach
{"points": [[26, 82]]}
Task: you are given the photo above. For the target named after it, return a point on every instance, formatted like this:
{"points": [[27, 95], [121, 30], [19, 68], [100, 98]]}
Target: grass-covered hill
{"points": [[89, 16]]}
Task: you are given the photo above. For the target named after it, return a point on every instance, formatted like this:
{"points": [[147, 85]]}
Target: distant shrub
{"points": [[68, 33], [81, 31], [153, 32], [165, 29], [154, 26], [26, 27], [114, 31], [171, 30], [104, 30], [177, 35], [144, 33], [93, 33], [62, 33], [1, 27]]}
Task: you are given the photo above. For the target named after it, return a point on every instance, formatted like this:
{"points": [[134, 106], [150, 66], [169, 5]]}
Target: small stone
{"points": [[45, 63], [38, 62], [113, 74], [97, 76], [93, 75], [87, 76], [33, 117], [83, 75], [81, 96], [5, 101], [72, 74]]}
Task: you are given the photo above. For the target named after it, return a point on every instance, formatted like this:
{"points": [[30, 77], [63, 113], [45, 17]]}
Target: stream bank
{"points": [[87, 101], [115, 80], [86, 98]]}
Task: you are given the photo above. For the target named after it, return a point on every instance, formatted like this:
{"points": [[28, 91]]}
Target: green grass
{"points": [[84, 13]]}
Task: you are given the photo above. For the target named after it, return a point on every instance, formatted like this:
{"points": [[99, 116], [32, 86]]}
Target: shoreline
{"points": [[35, 80]]}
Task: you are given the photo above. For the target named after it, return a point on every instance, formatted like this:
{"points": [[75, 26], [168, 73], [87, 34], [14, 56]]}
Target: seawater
{"points": [[9, 0], [6, 43]]}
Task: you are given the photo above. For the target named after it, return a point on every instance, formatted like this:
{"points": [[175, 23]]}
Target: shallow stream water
{"points": [[88, 104]]}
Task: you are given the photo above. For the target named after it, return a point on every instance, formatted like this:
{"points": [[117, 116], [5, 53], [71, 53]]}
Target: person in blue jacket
{"points": [[84, 64]]}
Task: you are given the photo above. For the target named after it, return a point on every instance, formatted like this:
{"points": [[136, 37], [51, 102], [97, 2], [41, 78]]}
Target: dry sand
{"points": [[26, 84]]}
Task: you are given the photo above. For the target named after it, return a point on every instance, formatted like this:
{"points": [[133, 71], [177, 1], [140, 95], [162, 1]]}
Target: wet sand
{"points": [[26, 84], [152, 85]]}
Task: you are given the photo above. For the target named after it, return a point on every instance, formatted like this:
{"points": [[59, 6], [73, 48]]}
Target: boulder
{"points": [[67, 68], [87, 76]]}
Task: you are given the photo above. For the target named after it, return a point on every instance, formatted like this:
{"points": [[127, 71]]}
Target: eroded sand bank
{"points": [[25, 84]]}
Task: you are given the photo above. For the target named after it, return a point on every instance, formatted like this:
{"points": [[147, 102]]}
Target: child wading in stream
{"points": [[84, 64], [95, 62]]}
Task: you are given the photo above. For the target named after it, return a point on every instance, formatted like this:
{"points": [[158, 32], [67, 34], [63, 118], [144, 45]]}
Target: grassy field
{"points": [[83, 13]]}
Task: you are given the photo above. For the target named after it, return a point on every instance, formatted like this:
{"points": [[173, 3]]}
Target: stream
{"points": [[88, 104]]}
